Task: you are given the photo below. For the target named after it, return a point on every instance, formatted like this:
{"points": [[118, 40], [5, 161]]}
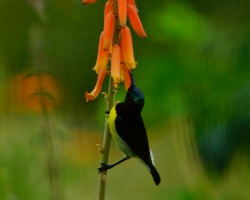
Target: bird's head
{"points": [[134, 97]]}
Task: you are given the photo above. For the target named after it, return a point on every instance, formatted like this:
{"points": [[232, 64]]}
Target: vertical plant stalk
{"points": [[36, 50], [52, 163], [110, 98], [53, 168], [106, 143], [115, 40]]}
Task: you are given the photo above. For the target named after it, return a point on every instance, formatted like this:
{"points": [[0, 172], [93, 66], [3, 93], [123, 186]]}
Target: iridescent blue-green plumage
{"points": [[128, 130]]}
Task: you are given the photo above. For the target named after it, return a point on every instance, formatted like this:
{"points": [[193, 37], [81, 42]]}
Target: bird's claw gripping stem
{"points": [[104, 167]]}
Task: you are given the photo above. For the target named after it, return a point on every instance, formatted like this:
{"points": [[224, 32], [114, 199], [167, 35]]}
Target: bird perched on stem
{"points": [[128, 131]]}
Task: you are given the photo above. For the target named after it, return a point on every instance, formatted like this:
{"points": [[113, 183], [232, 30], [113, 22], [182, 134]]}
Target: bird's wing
{"points": [[132, 131]]}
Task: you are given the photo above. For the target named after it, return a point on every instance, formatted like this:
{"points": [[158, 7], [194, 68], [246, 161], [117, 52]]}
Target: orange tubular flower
{"points": [[116, 65], [86, 2], [122, 12], [92, 95], [135, 21], [109, 6], [127, 48], [132, 2], [102, 57], [122, 52], [109, 27]]}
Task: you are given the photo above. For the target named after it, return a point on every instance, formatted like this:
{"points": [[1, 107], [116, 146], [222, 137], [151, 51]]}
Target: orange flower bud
{"points": [[102, 57], [132, 2], [109, 6], [127, 48], [116, 65], [86, 2], [135, 21], [109, 27], [122, 12], [92, 95]]}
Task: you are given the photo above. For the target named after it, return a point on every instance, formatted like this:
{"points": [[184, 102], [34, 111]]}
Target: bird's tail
{"points": [[155, 174]]}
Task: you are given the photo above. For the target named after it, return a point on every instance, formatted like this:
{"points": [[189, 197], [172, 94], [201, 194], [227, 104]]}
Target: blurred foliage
{"points": [[193, 69]]}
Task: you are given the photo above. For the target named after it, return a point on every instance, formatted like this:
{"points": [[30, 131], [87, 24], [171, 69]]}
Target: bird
{"points": [[128, 131]]}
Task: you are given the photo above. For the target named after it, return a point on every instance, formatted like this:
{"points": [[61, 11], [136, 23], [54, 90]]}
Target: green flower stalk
{"points": [[115, 50]]}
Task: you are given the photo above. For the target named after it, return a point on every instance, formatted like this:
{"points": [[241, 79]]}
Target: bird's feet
{"points": [[104, 167]]}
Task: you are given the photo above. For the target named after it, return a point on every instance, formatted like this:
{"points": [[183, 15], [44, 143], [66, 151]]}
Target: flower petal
{"points": [[135, 21], [102, 57], [127, 48], [116, 65], [86, 2], [122, 12], [109, 27], [132, 2], [109, 6], [95, 92]]}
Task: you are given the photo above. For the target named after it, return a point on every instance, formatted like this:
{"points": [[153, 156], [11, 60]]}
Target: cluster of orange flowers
{"points": [[119, 53]]}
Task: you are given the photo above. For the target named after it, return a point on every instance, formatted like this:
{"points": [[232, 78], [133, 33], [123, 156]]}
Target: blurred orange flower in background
{"points": [[33, 92]]}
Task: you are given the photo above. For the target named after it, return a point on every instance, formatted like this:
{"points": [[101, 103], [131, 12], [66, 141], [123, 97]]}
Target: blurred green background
{"points": [[193, 69]]}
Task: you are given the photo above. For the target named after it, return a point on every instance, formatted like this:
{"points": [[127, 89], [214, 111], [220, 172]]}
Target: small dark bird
{"points": [[128, 131]]}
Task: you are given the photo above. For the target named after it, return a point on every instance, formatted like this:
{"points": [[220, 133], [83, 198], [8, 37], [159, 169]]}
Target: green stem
{"points": [[106, 143], [52, 164], [53, 168], [110, 102]]}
